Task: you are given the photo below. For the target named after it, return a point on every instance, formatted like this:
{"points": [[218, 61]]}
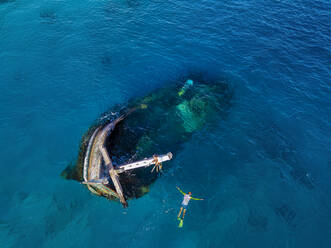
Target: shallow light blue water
{"points": [[264, 169]]}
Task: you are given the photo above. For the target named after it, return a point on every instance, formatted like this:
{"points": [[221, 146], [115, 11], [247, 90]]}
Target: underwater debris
{"points": [[287, 213], [303, 177], [280, 147], [117, 150]]}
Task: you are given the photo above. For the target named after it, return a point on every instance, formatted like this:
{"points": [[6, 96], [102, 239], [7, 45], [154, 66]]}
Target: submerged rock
{"points": [[155, 124]]}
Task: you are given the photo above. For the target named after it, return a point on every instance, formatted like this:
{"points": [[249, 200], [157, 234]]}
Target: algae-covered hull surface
{"points": [[160, 122]]}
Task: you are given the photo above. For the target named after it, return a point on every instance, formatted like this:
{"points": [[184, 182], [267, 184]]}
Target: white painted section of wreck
{"points": [[86, 159], [144, 163]]}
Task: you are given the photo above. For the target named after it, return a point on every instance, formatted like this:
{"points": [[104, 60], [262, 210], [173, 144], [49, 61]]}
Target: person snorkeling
{"points": [[186, 86], [186, 200]]}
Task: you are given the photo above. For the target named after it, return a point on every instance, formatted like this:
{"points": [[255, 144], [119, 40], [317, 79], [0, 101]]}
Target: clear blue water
{"points": [[264, 169]]}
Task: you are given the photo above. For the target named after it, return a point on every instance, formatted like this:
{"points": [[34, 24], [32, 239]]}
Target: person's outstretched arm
{"points": [[180, 190], [197, 199]]}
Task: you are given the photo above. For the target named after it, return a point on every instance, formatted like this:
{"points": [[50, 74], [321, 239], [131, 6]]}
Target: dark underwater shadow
{"points": [[6, 1], [133, 3], [287, 213], [106, 61], [279, 146], [257, 220], [48, 16]]}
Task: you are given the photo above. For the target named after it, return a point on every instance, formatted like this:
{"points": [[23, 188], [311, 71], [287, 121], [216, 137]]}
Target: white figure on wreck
{"points": [[116, 154]]}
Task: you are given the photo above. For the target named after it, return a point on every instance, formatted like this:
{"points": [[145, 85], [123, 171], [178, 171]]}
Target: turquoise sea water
{"points": [[264, 168]]}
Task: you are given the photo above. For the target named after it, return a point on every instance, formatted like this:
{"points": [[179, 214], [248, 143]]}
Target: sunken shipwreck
{"points": [[122, 153]]}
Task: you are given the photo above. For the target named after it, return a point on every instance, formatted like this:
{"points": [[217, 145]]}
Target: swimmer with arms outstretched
{"points": [[186, 199]]}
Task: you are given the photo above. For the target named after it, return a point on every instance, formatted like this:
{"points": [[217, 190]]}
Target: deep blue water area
{"points": [[264, 168]]}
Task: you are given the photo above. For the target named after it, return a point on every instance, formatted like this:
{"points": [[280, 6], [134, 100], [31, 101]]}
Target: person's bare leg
{"points": [[180, 212], [184, 213]]}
